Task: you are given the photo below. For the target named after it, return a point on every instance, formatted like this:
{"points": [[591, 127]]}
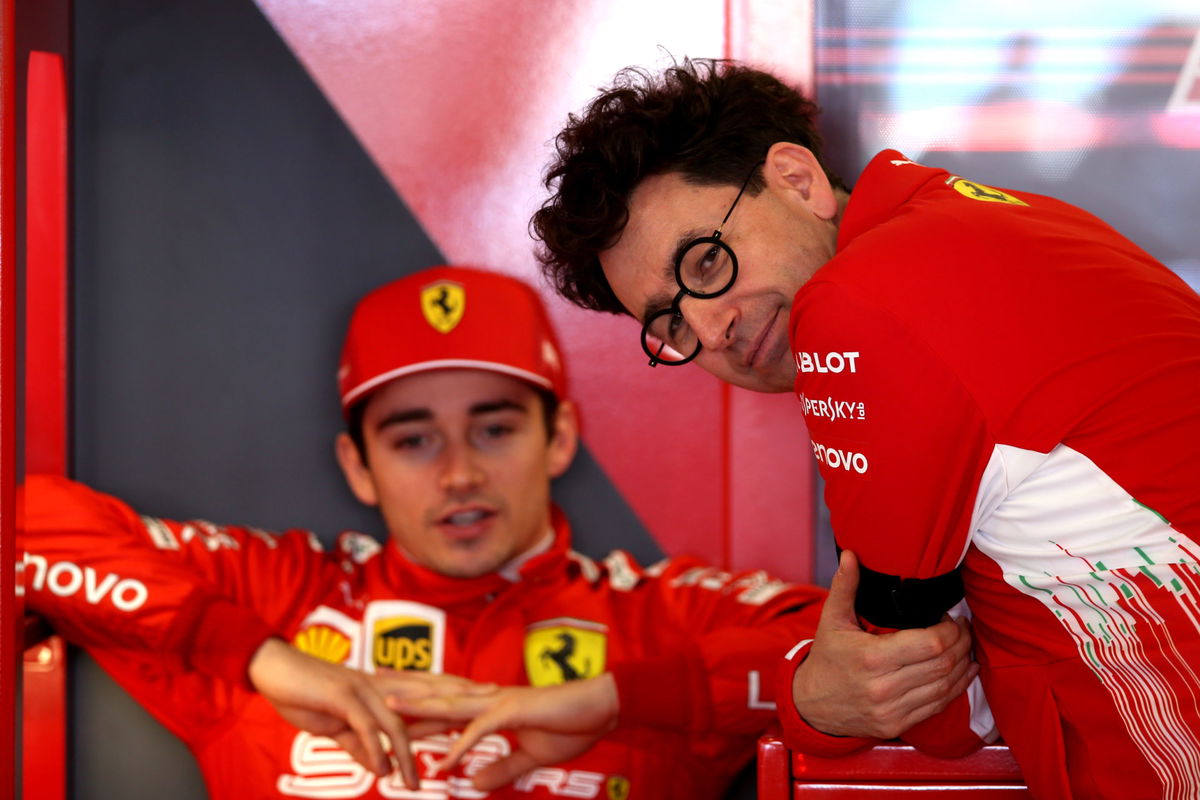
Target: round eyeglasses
{"points": [[706, 267]]}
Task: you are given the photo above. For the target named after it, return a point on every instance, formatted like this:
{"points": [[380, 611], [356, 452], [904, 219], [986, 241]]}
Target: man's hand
{"points": [[346, 705], [551, 723], [855, 683]]}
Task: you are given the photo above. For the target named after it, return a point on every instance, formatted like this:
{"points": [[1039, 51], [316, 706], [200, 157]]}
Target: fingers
{"points": [[393, 728], [504, 771], [961, 646], [478, 728], [936, 682], [936, 673], [456, 707], [918, 645], [367, 733], [481, 689], [950, 639], [369, 721], [926, 688], [420, 684], [965, 680], [937, 702], [348, 740], [838, 611]]}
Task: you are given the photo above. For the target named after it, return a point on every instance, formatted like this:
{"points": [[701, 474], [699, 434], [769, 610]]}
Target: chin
{"points": [[782, 378], [766, 384], [781, 385], [460, 570], [473, 567]]}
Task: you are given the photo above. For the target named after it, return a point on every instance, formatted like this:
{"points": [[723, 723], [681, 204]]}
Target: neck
{"points": [[512, 570], [843, 197]]}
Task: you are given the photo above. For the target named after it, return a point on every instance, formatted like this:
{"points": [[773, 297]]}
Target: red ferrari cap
{"points": [[449, 318]]}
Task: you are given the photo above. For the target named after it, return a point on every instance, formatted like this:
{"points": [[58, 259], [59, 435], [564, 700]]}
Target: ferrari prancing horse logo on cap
{"points": [[443, 303]]}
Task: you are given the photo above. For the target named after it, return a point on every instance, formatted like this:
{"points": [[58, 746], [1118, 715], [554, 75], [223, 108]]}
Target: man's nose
{"points": [[713, 321], [461, 470]]}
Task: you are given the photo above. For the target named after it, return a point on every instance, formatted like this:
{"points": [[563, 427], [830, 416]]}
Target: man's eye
{"points": [[413, 441], [496, 430], [709, 259], [676, 326]]}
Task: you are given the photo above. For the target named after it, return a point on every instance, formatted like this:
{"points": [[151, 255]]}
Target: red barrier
{"points": [[887, 769]]}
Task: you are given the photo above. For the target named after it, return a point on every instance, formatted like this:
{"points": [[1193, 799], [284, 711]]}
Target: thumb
{"points": [[838, 611]]}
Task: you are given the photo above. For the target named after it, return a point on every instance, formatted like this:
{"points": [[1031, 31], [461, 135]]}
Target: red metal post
{"points": [[46, 264], [44, 735], [774, 769], [10, 628]]}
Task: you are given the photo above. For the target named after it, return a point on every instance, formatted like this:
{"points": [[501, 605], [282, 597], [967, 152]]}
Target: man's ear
{"points": [[793, 172], [358, 474], [564, 439]]}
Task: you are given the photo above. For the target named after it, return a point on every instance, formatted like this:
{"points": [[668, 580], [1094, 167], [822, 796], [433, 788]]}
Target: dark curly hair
{"points": [[710, 121]]}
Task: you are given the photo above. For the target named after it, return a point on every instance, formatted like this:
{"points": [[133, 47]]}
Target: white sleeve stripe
{"points": [[160, 534], [792, 653]]}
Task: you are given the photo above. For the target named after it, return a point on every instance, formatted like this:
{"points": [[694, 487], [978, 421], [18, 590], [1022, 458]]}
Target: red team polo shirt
{"points": [[1001, 381]]}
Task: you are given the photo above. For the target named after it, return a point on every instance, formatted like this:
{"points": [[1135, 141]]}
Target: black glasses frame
{"points": [[684, 291]]}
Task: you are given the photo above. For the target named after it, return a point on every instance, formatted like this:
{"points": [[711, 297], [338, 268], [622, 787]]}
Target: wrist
{"points": [[259, 666], [608, 700], [799, 733], [801, 688]]}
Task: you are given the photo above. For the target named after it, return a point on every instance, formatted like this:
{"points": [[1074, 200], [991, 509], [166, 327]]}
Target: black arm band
{"points": [[890, 601]]}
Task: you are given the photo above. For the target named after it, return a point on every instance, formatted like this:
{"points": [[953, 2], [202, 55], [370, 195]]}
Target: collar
{"points": [[544, 561], [512, 570], [888, 182]]}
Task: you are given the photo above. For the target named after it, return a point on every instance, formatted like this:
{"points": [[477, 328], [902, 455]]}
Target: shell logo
{"points": [[324, 642]]}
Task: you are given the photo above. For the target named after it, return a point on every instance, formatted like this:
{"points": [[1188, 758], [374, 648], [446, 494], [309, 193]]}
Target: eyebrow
{"points": [[497, 405], [424, 414], [660, 300], [406, 415]]}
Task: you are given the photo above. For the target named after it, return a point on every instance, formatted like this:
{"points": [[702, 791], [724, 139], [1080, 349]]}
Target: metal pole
{"points": [[10, 621]]}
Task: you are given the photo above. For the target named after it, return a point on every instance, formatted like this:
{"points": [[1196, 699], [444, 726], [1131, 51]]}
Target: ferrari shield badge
{"points": [[564, 649], [443, 303], [977, 191], [618, 787]]}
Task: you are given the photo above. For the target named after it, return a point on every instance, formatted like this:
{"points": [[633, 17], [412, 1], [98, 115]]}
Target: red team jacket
{"points": [[1000, 381], [173, 611]]}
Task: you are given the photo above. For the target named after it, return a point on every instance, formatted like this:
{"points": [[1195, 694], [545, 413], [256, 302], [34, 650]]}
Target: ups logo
{"points": [[401, 643], [564, 649]]}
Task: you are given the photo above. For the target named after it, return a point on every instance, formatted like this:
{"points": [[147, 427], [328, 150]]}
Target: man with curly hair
{"points": [[1000, 392]]}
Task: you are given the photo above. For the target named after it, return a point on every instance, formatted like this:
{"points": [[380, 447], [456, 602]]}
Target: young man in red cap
{"points": [[454, 433]]}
